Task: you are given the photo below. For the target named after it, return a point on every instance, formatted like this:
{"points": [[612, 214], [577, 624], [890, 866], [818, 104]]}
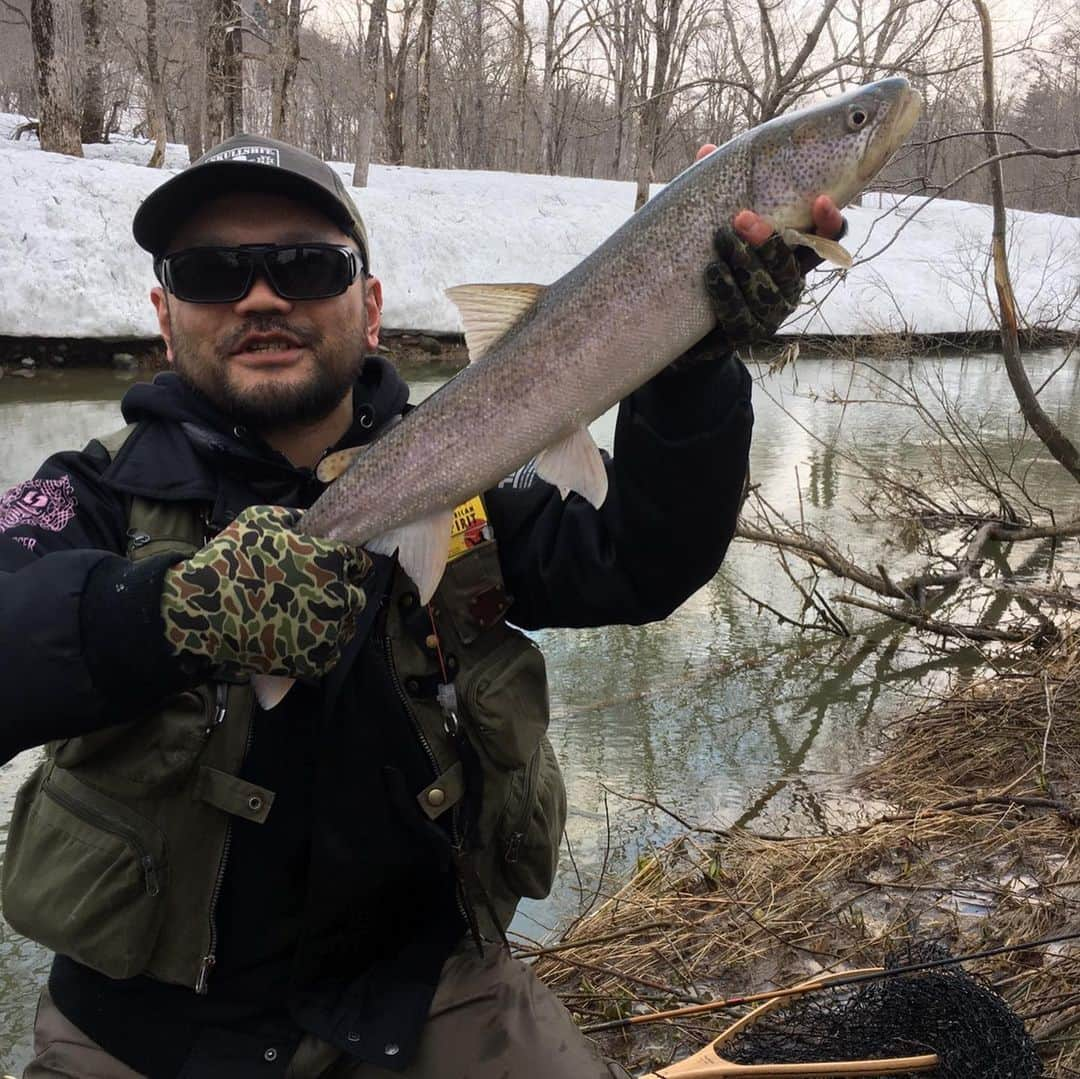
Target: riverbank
{"points": [[969, 838], [71, 267], [23, 356]]}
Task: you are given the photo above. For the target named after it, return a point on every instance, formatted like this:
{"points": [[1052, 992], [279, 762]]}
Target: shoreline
{"points": [[25, 355]]}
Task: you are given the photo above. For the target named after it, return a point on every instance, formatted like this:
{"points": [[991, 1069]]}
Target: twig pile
{"points": [[981, 849]]}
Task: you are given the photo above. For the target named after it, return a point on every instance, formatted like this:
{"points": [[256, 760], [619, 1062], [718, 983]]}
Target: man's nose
{"points": [[261, 297]]}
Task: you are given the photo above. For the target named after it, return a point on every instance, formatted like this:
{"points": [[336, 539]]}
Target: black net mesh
{"points": [[947, 1011]]}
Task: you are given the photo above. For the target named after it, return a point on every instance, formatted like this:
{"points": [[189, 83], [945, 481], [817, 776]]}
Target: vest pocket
{"points": [[530, 841], [84, 875], [524, 801], [136, 760]]}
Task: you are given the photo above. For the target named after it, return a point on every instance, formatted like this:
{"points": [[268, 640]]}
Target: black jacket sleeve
{"points": [[82, 645], [681, 453]]}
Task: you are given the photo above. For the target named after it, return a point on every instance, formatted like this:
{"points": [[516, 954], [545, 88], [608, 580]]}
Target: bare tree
{"points": [[395, 69], [221, 22], [232, 68], [367, 55], [1055, 440], [92, 128], [155, 87], [59, 121], [667, 30], [284, 57], [423, 81], [562, 33]]}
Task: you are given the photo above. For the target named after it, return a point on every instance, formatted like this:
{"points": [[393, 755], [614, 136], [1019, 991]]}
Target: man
{"points": [[318, 890]]}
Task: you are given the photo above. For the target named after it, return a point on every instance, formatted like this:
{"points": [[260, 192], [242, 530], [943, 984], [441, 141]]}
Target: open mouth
{"points": [[267, 348]]}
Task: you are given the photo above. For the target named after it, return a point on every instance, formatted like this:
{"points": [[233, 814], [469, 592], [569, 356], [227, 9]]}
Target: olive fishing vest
{"points": [[119, 840]]}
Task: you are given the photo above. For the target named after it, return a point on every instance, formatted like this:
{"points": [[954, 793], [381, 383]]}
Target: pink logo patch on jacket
{"points": [[47, 504]]}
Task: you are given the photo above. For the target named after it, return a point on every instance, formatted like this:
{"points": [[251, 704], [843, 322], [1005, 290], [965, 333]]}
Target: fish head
{"points": [[833, 148]]}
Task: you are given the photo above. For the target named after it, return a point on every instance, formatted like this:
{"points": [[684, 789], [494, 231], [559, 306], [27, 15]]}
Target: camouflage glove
{"points": [[752, 289], [264, 599]]}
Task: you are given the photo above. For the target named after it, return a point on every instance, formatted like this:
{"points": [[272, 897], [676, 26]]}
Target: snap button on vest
{"points": [[270, 1054], [254, 803], [436, 797], [392, 1049]]}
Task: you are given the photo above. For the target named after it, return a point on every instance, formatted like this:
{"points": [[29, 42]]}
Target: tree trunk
{"points": [[233, 70], [217, 20], [284, 18], [1055, 440], [480, 119], [368, 58], [423, 82], [58, 128], [655, 108], [155, 87], [395, 99], [93, 94], [521, 85], [547, 95]]}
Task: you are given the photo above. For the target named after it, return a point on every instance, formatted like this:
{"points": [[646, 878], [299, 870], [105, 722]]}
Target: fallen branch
{"points": [[949, 629]]}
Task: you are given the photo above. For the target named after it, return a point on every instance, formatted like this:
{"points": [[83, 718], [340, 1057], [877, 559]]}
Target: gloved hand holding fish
{"points": [[546, 362]]}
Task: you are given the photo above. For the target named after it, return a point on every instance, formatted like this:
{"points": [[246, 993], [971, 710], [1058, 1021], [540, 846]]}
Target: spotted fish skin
{"points": [[625, 312]]}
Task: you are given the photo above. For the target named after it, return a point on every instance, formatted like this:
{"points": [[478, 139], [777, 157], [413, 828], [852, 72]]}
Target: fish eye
{"points": [[857, 118]]}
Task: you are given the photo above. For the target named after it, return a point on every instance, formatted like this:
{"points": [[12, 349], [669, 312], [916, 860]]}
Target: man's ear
{"points": [[372, 312], [164, 318]]}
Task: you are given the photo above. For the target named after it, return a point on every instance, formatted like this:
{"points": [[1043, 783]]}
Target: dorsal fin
{"points": [[488, 311]]}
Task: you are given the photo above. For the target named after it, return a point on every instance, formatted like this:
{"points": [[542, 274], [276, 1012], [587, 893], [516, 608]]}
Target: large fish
{"points": [[545, 362]]}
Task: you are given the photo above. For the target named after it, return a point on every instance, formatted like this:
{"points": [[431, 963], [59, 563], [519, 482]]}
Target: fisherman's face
{"points": [[316, 346]]}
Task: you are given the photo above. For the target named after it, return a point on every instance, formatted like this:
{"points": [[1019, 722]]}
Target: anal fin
{"points": [[422, 548], [575, 464], [270, 689]]}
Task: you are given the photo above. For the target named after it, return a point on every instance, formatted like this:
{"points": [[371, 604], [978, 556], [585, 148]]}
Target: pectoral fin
{"points": [[331, 467], [422, 548], [488, 311], [575, 464], [270, 689], [830, 250]]}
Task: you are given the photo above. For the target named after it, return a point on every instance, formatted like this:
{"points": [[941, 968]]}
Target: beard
{"points": [[271, 403]]}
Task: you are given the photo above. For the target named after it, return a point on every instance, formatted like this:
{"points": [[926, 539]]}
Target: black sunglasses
{"points": [[226, 274]]}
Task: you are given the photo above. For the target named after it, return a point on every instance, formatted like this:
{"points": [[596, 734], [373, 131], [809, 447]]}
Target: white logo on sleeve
{"points": [[257, 155]]}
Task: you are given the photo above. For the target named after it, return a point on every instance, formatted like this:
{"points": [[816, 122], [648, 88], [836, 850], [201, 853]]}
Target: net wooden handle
{"points": [[708, 1064], [697, 1068]]}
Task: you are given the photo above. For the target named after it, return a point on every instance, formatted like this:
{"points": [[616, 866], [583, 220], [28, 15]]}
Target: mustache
{"points": [[268, 324]]}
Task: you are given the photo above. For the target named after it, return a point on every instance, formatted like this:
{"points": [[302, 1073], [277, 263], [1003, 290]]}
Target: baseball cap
{"points": [[247, 163]]}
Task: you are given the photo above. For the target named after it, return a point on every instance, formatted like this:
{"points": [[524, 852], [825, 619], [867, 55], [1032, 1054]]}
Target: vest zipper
{"points": [[209, 961], [512, 848], [116, 827], [408, 709], [455, 833]]}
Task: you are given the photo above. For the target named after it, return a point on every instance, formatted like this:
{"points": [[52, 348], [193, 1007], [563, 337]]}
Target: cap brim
{"points": [[166, 208]]}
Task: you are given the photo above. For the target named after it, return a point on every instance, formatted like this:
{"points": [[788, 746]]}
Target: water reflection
{"points": [[720, 713]]}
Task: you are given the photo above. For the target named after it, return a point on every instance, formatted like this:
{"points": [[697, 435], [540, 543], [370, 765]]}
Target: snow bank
{"points": [[69, 267]]}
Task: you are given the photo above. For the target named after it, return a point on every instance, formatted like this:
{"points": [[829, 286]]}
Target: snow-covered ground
{"points": [[69, 267]]}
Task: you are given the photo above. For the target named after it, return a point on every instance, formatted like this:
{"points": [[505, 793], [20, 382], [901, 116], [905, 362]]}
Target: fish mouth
{"points": [[893, 130]]}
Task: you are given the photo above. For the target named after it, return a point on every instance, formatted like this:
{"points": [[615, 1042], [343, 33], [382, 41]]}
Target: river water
{"points": [[722, 713]]}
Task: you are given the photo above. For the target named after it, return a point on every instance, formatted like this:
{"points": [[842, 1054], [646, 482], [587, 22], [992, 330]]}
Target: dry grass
{"points": [[980, 849]]}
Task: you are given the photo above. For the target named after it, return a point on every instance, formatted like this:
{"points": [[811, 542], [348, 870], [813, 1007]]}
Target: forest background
{"points": [[618, 89]]}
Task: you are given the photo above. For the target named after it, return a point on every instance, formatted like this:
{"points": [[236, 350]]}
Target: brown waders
{"points": [[491, 1018]]}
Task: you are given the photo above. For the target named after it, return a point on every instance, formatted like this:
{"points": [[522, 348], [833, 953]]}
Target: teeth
{"points": [[268, 346]]}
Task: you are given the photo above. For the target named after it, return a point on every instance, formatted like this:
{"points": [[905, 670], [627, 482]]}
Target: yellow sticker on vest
{"points": [[469, 529]]}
